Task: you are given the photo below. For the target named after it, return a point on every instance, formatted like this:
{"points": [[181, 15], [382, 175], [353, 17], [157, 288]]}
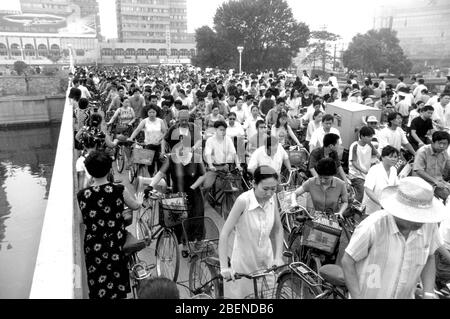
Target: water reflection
{"points": [[26, 164]]}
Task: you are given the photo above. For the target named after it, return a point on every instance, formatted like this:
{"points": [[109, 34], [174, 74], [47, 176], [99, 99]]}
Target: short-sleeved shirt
{"points": [[318, 135], [183, 176], [434, 164], [395, 138], [318, 154], [328, 199], [363, 156], [376, 180], [175, 133], [260, 158], [421, 127], [388, 266]]}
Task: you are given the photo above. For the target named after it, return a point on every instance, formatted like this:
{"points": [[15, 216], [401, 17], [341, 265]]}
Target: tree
{"points": [[20, 67], [266, 28], [376, 52], [318, 50]]}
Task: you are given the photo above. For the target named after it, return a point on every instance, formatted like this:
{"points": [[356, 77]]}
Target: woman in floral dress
{"points": [[102, 205]]}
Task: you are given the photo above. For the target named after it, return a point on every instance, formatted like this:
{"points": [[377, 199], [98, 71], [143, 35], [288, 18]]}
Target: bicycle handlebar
{"points": [[291, 173]]}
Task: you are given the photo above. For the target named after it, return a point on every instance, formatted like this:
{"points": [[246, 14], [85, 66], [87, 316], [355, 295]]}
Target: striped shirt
{"points": [[389, 266]]}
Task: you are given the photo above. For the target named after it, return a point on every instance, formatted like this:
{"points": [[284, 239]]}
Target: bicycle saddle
{"points": [[132, 245], [333, 274]]}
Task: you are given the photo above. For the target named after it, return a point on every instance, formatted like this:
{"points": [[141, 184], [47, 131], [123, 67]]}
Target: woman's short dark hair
{"points": [[326, 167], [83, 103], [151, 107], [281, 115], [316, 113], [231, 114], [220, 123], [330, 139], [392, 116], [264, 172], [389, 150], [440, 136], [95, 119], [259, 122], [254, 106], [158, 288], [75, 94], [98, 164]]}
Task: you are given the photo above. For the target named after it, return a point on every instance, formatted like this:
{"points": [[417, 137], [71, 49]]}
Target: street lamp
{"points": [[240, 49]]}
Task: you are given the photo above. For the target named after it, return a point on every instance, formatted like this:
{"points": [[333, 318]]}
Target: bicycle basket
{"points": [[266, 288], [202, 235], [322, 234], [298, 158], [143, 156], [173, 210]]}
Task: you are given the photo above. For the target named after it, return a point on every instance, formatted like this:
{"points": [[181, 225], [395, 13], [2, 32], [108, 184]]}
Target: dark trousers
{"points": [[157, 163], [358, 185]]}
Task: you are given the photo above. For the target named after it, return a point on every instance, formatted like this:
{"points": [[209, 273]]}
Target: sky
{"points": [[344, 17]]}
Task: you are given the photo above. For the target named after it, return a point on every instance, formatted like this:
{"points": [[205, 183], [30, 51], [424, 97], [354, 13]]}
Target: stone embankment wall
{"points": [[32, 85]]}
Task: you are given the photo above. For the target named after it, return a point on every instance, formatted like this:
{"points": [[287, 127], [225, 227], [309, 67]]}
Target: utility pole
{"points": [[334, 58]]}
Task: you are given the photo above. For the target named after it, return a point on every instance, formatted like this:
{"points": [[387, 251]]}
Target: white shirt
{"points": [[250, 125], [236, 130], [442, 115], [241, 115], [221, 151], [363, 158], [260, 158], [311, 128], [395, 138], [318, 135], [84, 92], [382, 85]]}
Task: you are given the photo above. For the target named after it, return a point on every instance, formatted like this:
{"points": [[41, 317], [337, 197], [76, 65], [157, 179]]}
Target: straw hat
{"points": [[413, 200]]}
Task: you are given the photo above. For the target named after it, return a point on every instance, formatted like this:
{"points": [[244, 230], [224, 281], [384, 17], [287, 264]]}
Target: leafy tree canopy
{"points": [[266, 28], [376, 52], [20, 67]]}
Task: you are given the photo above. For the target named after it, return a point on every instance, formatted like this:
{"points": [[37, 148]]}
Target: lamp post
{"points": [[240, 49]]}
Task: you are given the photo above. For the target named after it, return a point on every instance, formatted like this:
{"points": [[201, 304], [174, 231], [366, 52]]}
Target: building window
{"points": [[42, 50], [130, 52], [152, 52], [15, 50], [141, 52], [3, 49], [29, 50], [162, 52], [54, 50], [119, 51]]}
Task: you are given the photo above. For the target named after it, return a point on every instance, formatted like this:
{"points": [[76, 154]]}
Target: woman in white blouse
{"points": [[379, 177], [294, 103]]}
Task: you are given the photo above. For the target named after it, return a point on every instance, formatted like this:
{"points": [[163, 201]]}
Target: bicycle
{"points": [[202, 238], [141, 159], [156, 221], [119, 154], [327, 282], [139, 269], [226, 195]]}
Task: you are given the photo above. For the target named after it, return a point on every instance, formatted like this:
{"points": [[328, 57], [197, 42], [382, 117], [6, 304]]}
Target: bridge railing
{"points": [[59, 265]]}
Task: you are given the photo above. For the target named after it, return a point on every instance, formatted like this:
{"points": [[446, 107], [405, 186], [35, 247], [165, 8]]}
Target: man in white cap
{"points": [[393, 248]]}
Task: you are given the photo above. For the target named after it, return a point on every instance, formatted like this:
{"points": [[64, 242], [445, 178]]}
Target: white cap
{"points": [[372, 119]]}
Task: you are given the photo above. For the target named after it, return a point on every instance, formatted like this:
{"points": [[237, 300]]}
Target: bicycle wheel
{"points": [[132, 173], [291, 286], [199, 276], [227, 204], [120, 159], [167, 255]]}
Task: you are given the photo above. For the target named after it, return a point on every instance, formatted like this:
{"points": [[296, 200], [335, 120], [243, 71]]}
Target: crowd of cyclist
{"points": [[199, 122]]}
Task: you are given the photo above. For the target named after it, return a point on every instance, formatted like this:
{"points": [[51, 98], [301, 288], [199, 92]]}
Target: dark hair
{"points": [[75, 93], [389, 150], [259, 122], [98, 164], [392, 116], [440, 136], [264, 172], [158, 288], [366, 131], [95, 119], [280, 100], [326, 167], [330, 139], [278, 124], [327, 117], [254, 106], [219, 123], [421, 81], [426, 108], [151, 107], [83, 103], [316, 113]]}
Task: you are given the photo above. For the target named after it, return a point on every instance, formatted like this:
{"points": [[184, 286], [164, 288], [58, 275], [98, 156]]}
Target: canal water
{"points": [[26, 163]]}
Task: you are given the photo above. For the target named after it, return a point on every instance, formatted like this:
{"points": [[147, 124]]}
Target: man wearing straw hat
{"points": [[392, 249]]}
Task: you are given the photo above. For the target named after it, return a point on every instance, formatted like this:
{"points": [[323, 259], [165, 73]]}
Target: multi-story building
{"points": [[151, 21], [90, 8], [423, 28]]}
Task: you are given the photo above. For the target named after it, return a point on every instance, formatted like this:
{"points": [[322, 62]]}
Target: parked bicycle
{"points": [[156, 221]]}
